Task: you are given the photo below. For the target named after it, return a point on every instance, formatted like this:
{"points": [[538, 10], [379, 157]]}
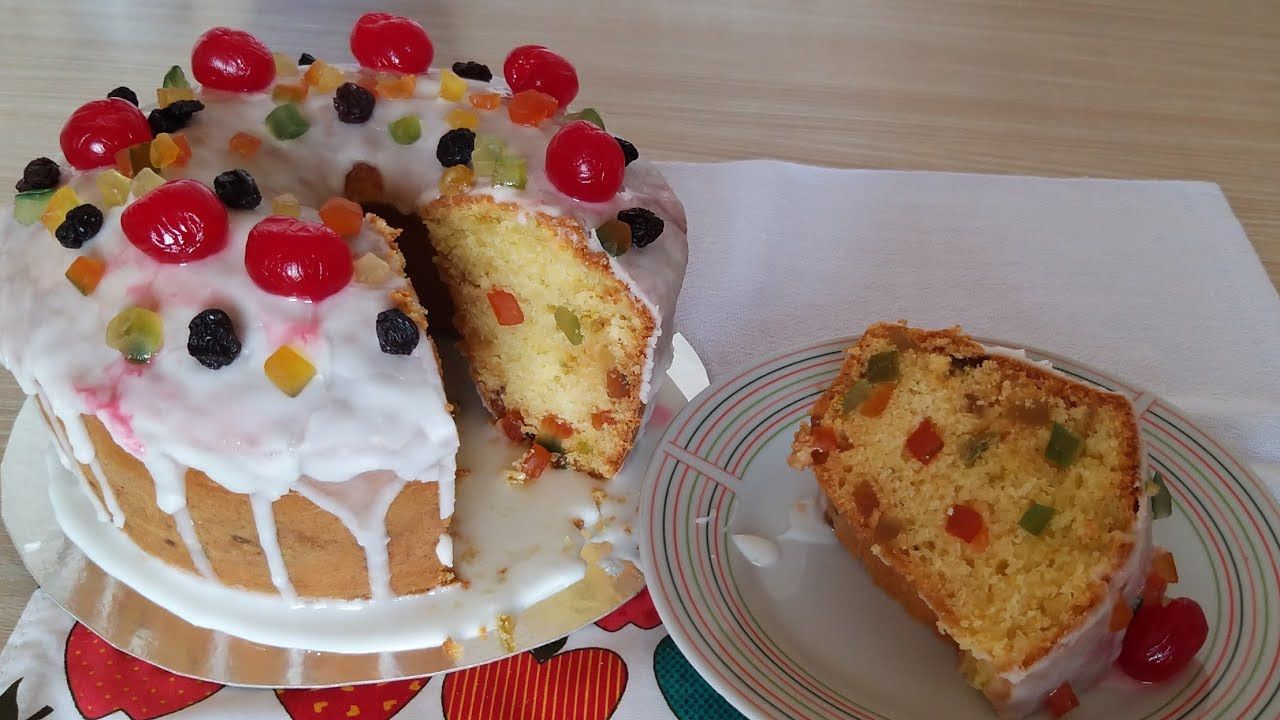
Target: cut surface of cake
{"points": [[997, 500]]}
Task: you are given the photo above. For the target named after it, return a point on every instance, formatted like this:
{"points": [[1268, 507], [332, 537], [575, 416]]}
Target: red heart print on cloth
{"points": [[378, 701], [638, 611], [104, 680], [582, 684]]}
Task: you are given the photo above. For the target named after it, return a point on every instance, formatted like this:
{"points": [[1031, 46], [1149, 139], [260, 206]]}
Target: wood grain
{"points": [[1178, 89]]}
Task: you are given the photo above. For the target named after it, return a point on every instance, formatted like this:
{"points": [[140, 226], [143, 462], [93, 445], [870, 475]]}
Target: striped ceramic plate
{"points": [[808, 636]]}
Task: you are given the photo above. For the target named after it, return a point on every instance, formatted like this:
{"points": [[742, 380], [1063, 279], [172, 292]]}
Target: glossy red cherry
{"points": [[533, 67], [1161, 640], [296, 259], [585, 162], [179, 222], [96, 130], [228, 59], [382, 41]]}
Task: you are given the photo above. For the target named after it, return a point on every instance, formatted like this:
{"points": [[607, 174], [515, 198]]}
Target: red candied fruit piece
{"points": [[616, 384], [512, 425], [97, 130], [925, 442], [296, 259], [1153, 590], [1062, 700], [535, 461], [585, 162], [227, 59], [534, 67], [382, 41], [505, 308], [1162, 640], [964, 522], [179, 222], [554, 426], [602, 418]]}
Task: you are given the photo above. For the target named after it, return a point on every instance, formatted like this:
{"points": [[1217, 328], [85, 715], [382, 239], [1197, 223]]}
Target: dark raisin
{"points": [[79, 227], [213, 339], [174, 117], [455, 147], [397, 334], [629, 152], [473, 71], [237, 189], [645, 226], [353, 103], [39, 174], [306, 59], [124, 93]]}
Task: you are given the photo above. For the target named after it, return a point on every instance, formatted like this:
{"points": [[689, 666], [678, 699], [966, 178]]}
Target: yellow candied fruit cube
{"points": [[294, 92], [166, 96], [462, 118], [164, 150], [145, 181], [456, 180], [244, 144], [288, 370], [372, 270], [452, 87], [56, 211], [113, 186], [324, 77], [286, 205], [285, 65], [85, 273], [394, 86]]}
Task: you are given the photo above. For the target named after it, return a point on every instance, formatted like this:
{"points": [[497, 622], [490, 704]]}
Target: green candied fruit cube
{"points": [[484, 158], [1063, 447], [588, 114], [567, 321], [175, 78], [1162, 500], [29, 206], [137, 333], [615, 237], [510, 172], [406, 130], [1036, 518], [856, 395], [286, 122], [882, 367]]}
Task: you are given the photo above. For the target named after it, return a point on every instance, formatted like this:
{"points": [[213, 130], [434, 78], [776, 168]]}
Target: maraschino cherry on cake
{"points": [[227, 347]]}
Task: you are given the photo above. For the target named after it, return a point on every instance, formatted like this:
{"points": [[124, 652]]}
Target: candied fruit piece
{"points": [[486, 149], [462, 118], [512, 425], [510, 171], [1161, 499], [406, 130], [1062, 701], [164, 151], [588, 114], [1036, 518], [964, 522], [1153, 590], [395, 86], [291, 92], [567, 321], [615, 237], [924, 443], [371, 270], [244, 144], [363, 184], [132, 159], [602, 418], [616, 384], [882, 367], [175, 78], [556, 426], [167, 96], [285, 65], [184, 149], [456, 180], [289, 370], [531, 107], [1064, 446], [1164, 566], [137, 333], [878, 401], [60, 203], [113, 186], [505, 307], [286, 205], [486, 101], [29, 206], [324, 77], [452, 87], [535, 461], [286, 122], [1121, 614], [85, 273], [342, 216], [144, 182]]}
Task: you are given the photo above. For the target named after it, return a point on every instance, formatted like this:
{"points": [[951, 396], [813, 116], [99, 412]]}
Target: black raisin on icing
{"points": [[124, 93], [237, 189], [473, 71], [80, 225], [629, 151], [39, 174], [397, 333], [173, 117], [212, 340], [645, 226], [455, 147], [306, 59], [353, 103]]}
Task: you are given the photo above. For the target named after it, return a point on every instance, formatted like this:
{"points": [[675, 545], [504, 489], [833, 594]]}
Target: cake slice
{"points": [[999, 501]]}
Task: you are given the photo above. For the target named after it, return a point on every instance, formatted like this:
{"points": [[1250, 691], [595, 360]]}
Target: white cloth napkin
{"points": [[1151, 281]]}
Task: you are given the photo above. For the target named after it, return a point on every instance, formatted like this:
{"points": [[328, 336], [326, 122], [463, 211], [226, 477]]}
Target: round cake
{"points": [[228, 348]]}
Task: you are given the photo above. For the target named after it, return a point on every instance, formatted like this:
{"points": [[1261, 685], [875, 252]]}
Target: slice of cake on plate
{"points": [[997, 500]]}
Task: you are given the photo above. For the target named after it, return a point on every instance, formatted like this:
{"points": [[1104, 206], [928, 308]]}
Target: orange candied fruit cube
{"points": [[601, 418], [535, 461], [456, 180], [1163, 567], [512, 425], [244, 144], [85, 273], [462, 118], [505, 307], [556, 427], [288, 370], [874, 405], [164, 151], [530, 107], [293, 92], [342, 216], [396, 86], [184, 149], [616, 384], [486, 101], [324, 77]]}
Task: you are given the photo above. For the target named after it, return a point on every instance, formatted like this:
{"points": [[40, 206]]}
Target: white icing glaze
{"points": [[761, 552], [265, 520]]}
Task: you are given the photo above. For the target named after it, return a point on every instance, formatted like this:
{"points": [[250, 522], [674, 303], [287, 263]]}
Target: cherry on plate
{"points": [[1162, 640]]}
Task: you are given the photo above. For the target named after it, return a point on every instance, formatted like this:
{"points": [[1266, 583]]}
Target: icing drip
{"points": [[362, 507], [187, 531], [265, 520], [444, 550], [108, 494], [65, 457]]}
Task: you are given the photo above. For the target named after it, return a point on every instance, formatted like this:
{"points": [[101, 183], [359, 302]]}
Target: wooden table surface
{"points": [[1177, 89]]}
